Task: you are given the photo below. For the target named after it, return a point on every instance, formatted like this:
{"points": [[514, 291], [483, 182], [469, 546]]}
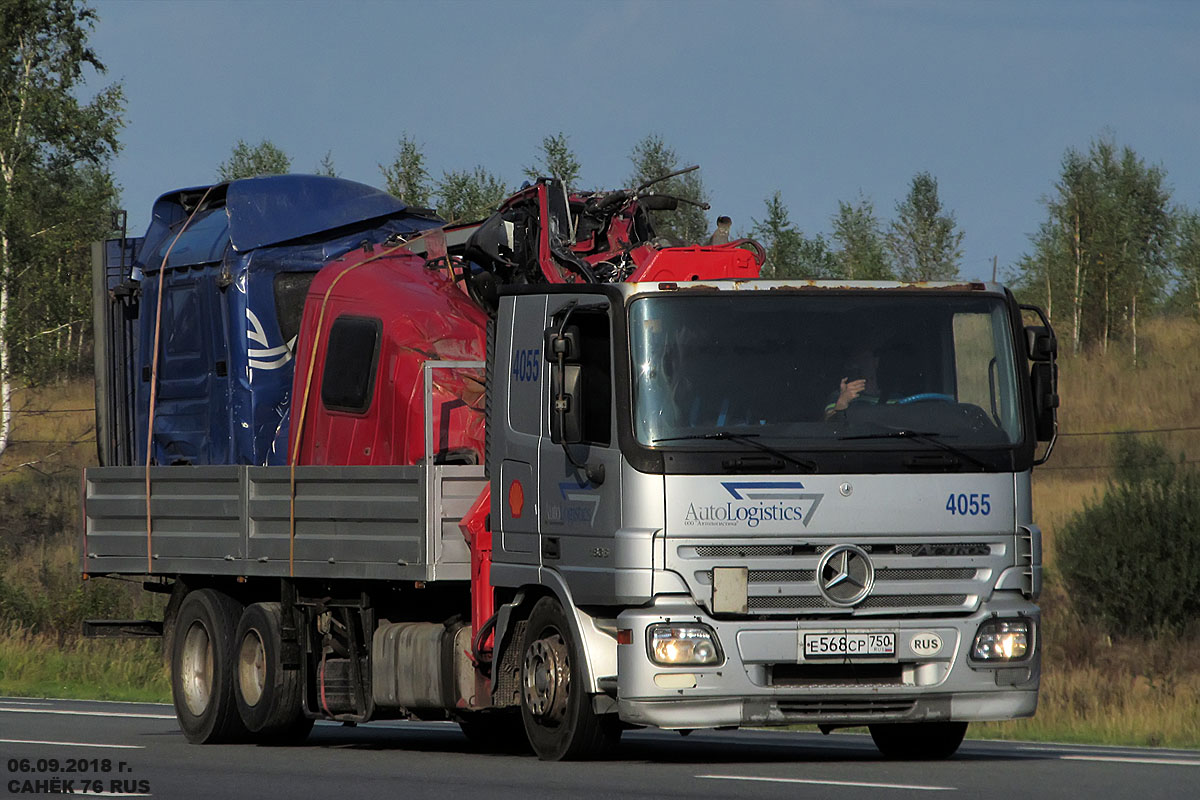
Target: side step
{"points": [[122, 628]]}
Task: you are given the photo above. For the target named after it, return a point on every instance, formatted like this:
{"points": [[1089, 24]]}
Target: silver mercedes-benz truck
{"points": [[702, 504], [768, 503]]}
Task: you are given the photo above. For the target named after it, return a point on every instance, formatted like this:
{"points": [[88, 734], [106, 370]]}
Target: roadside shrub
{"points": [[1131, 560]]}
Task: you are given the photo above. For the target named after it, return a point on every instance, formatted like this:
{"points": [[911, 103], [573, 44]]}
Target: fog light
{"points": [[683, 645], [1002, 640]]}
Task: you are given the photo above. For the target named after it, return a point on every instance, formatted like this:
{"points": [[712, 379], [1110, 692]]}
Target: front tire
{"points": [[918, 740], [555, 706], [268, 696], [202, 666]]}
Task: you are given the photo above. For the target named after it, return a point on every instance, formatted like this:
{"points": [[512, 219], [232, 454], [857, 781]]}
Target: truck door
{"points": [[579, 515], [518, 427], [191, 415]]}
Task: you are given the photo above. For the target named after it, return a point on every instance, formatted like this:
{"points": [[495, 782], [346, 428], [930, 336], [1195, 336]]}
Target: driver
{"points": [[860, 385]]}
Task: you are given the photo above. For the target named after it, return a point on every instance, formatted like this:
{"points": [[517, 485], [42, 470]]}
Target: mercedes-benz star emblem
{"points": [[845, 575]]}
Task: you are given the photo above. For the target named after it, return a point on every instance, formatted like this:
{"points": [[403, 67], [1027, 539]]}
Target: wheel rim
{"points": [[547, 678], [252, 667], [197, 669]]}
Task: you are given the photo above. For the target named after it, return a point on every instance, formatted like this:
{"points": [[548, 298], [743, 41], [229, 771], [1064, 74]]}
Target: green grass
{"points": [[39, 665]]}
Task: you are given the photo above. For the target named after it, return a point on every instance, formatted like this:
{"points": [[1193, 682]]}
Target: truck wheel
{"points": [[202, 665], [918, 740], [555, 706], [268, 696]]}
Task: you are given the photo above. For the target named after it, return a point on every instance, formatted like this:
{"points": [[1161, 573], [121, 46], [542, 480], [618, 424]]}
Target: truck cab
{"points": [[731, 544]]}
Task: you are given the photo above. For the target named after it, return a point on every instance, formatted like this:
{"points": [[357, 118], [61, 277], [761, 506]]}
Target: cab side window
{"points": [[594, 360], [351, 361]]}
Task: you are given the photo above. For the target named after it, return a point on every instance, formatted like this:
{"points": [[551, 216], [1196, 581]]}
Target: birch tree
{"points": [[1106, 245], [46, 130]]}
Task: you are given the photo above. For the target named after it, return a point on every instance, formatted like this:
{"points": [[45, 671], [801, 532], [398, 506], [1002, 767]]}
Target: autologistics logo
{"points": [[579, 505], [756, 502]]}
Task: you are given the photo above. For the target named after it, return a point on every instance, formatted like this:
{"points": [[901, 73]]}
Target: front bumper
{"points": [[765, 681]]}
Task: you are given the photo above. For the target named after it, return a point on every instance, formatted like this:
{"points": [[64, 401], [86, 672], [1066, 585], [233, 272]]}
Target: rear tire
{"points": [[916, 741], [269, 697], [555, 706], [202, 667]]}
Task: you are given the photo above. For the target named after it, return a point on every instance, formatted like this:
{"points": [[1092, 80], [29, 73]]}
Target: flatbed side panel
{"points": [[196, 515], [347, 518], [351, 522]]}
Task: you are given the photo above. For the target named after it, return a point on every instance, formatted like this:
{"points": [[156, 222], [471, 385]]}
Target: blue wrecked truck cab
{"points": [[235, 286]]}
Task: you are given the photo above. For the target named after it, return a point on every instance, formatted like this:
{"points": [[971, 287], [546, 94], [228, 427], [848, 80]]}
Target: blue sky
{"points": [[819, 100]]}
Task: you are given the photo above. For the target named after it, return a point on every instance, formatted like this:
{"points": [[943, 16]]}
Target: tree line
{"points": [[1113, 246], [470, 194], [922, 242]]}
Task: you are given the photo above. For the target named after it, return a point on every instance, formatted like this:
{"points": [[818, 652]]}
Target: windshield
{"points": [[823, 371]]}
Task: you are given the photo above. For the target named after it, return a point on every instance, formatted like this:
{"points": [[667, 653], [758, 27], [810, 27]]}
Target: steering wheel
{"points": [[924, 397]]}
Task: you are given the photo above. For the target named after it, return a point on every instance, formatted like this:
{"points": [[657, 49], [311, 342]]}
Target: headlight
{"points": [[683, 645], [1002, 640]]}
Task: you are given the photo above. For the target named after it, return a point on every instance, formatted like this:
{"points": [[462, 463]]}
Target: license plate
{"points": [[849, 645]]}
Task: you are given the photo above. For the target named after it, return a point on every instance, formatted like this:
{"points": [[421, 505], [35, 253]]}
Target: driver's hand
{"points": [[849, 391]]}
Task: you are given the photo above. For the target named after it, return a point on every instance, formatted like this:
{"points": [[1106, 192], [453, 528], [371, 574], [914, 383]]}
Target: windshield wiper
{"points": [[929, 437], [743, 438]]}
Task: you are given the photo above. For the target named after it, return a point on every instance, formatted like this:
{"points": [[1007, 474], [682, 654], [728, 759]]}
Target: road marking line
{"points": [[1174, 762], [852, 784], [85, 713], [75, 744], [81, 700]]}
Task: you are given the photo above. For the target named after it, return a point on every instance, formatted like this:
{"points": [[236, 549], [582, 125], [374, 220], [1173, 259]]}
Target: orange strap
{"points": [[312, 361], [162, 280]]}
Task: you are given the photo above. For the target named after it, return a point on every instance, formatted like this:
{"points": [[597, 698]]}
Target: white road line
{"points": [[1174, 762], [85, 713], [81, 700], [75, 744], [852, 784]]}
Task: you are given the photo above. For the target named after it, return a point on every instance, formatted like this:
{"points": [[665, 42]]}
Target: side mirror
{"points": [[1040, 343], [1041, 346], [566, 413], [565, 343], [566, 379], [493, 245], [1043, 379]]}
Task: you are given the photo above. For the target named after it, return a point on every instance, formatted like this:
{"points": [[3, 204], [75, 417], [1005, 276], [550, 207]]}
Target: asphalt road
{"points": [[148, 757]]}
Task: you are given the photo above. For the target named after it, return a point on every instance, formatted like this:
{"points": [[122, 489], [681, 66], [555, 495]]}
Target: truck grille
{"points": [[816, 710], [856, 676], [805, 575], [918, 575], [757, 603]]}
